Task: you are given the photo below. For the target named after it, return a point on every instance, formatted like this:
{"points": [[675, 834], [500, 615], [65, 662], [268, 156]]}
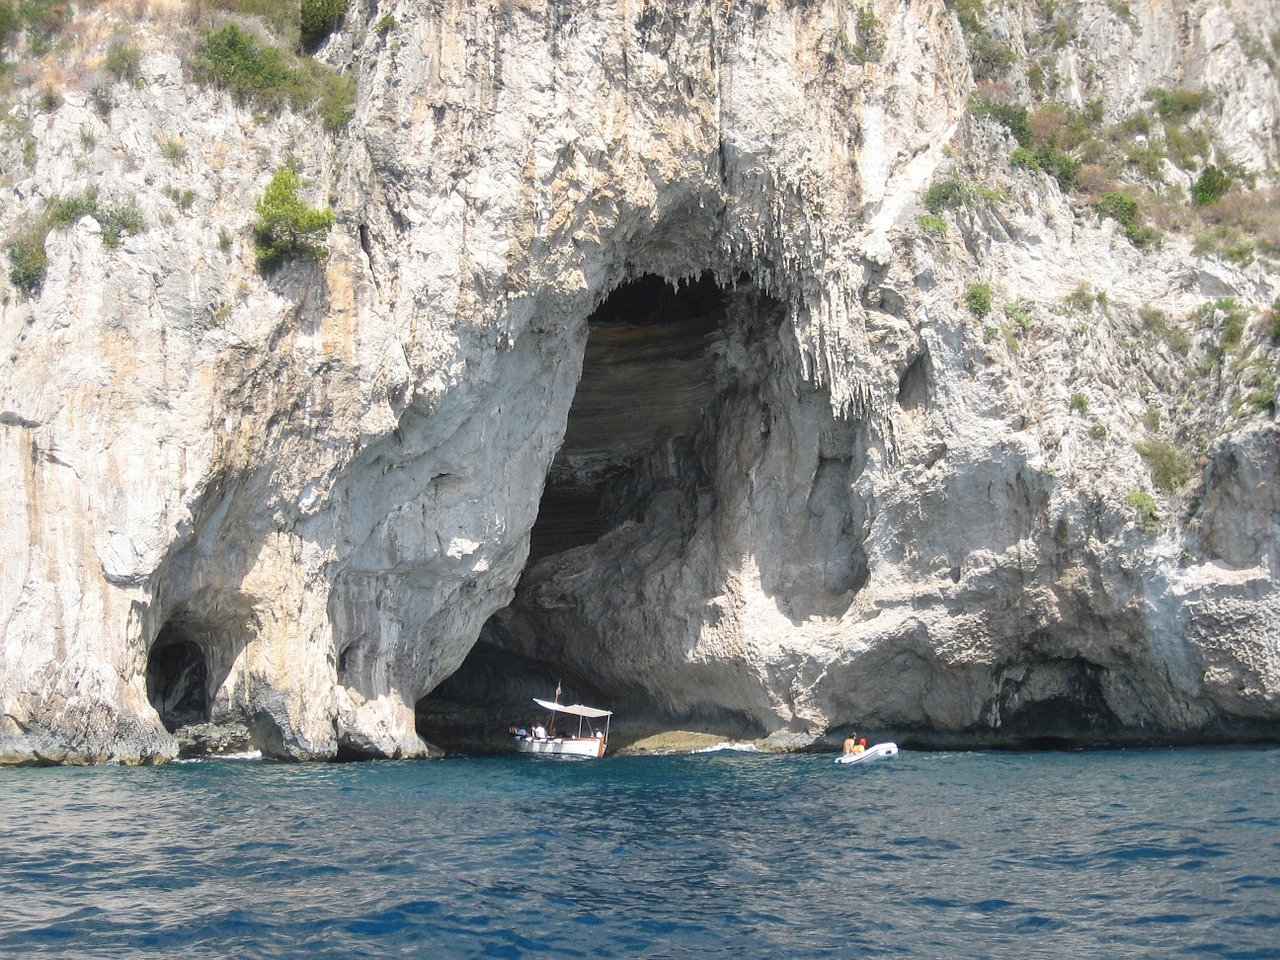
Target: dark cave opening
{"points": [[638, 416], [178, 678], [647, 376]]}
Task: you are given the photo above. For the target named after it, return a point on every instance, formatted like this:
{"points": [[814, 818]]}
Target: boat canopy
{"points": [[577, 709]]}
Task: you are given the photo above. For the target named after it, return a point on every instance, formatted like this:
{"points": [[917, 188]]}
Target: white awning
{"points": [[577, 709]]}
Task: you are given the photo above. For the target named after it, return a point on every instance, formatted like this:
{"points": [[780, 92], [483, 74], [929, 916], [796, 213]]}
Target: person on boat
{"points": [[539, 732], [861, 747], [851, 743], [522, 733]]}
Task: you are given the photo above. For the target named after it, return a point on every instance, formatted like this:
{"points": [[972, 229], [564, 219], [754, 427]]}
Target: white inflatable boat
{"points": [[881, 751]]}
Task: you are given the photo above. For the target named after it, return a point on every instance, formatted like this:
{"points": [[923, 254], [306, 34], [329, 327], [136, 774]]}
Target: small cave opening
{"points": [[178, 678], [641, 426]]}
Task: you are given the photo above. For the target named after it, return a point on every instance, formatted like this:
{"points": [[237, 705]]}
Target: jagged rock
{"points": [[211, 739]]}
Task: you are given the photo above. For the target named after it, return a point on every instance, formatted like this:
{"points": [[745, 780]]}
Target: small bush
{"points": [[1060, 165], [1082, 299], [1170, 467], [27, 261], [1019, 311], [66, 211], [173, 149], [10, 23], [978, 299], [1124, 210], [119, 219], [1151, 420], [385, 25], [946, 194], [1145, 506], [1211, 186], [124, 62], [1012, 116], [1176, 105], [1099, 432], [931, 224], [1078, 403], [318, 19], [287, 228]]}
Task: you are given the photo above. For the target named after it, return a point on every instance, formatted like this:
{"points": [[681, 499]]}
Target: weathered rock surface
{"points": [[855, 504]]}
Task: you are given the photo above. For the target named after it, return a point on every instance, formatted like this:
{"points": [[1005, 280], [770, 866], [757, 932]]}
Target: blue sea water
{"points": [[1127, 853]]}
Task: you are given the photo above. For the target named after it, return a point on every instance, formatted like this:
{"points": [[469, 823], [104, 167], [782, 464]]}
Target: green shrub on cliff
{"points": [[1124, 210], [978, 299], [1211, 186], [287, 228], [946, 194], [271, 78], [27, 261], [1170, 467], [1145, 505], [318, 19]]}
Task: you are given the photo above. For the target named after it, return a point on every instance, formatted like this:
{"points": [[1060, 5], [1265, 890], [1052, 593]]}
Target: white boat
{"points": [[588, 743], [881, 751]]}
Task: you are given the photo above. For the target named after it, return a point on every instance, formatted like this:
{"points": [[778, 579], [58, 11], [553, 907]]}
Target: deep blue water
{"points": [[1137, 853]]}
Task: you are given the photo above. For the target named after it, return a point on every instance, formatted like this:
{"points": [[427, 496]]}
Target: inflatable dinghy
{"points": [[881, 751]]}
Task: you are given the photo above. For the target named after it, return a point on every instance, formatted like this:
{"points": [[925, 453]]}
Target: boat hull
{"points": [[881, 751], [562, 746]]}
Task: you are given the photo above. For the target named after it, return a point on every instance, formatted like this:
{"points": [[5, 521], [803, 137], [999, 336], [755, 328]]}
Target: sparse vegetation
{"points": [[124, 62], [1019, 311], [116, 219], [273, 79], [989, 57], [173, 149], [1099, 432], [1123, 208], [27, 261], [1145, 506], [978, 299], [386, 23], [287, 227], [931, 224], [870, 37], [1079, 403], [1170, 467], [1082, 299]]}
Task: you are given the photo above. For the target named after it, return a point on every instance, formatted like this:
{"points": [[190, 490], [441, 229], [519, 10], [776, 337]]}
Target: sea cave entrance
{"points": [[642, 425], [178, 677]]}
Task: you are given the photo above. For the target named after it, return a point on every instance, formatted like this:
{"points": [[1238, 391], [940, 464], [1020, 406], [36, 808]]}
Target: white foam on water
{"points": [[243, 755], [726, 745]]}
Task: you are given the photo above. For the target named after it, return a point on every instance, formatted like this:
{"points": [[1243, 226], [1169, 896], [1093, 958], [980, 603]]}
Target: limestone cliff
{"points": [[830, 384]]}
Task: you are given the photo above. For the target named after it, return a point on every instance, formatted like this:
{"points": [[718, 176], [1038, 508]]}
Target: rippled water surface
{"points": [[1157, 853]]}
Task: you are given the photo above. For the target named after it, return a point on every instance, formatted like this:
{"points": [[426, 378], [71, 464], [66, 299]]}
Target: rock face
{"points": [[642, 284]]}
